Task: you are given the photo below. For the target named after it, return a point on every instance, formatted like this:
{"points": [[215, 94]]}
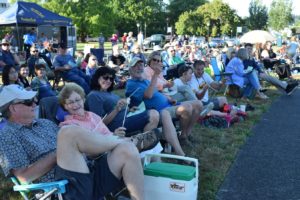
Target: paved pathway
{"points": [[268, 165]]}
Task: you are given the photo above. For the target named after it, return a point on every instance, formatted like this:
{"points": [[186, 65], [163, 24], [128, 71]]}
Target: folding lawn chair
{"points": [[217, 72], [42, 190]]}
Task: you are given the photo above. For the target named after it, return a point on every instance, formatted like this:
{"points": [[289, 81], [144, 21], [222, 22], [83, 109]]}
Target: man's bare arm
{"points": [[36, 170]]}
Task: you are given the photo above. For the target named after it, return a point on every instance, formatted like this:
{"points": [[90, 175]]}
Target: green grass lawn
{"points": [[216, 150], [80, 46]]}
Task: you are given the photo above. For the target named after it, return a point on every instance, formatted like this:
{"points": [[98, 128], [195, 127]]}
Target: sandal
{"points": [[147, 140]]}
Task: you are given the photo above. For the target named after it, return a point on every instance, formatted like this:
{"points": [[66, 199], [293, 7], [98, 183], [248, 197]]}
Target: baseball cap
{"points": [[13, 92], [5, 41], [134, 61]]}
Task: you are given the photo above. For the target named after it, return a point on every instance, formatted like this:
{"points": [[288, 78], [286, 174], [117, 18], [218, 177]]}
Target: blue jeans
{"points": [[253, 79], [77, 76], [248, 88]]}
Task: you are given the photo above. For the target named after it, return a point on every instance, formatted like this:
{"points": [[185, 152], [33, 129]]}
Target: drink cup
{"points": [[243, 108]]}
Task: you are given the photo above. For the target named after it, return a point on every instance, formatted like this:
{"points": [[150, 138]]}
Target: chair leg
{"points": [[226, 89]]}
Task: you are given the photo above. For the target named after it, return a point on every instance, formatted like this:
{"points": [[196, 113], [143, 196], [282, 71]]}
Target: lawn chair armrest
{"points": [[226, 74], [46, 187]]}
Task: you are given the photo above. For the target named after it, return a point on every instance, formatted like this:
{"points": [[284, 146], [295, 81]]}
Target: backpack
{"points": [[215, 122]]}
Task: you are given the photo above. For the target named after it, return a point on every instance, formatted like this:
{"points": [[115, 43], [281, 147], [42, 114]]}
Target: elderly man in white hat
{"points": [[36, 150]]}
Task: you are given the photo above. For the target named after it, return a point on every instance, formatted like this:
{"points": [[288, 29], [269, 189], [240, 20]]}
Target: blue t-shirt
{"points": [[158, 100], [103, 103], [61, 60], [7, 57]]}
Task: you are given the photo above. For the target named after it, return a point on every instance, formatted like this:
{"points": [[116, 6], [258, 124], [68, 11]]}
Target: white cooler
{"points": [[169, 181]]}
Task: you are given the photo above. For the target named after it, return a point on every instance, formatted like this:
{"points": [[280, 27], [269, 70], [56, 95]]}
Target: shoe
{"points": [[263, 90], [206, 110], [290, 88], [147, 140], [261, 95], [249, 107]]}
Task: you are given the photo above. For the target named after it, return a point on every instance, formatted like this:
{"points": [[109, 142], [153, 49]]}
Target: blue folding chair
{"points": [[217, 70], [44, 190], [99, 53]]}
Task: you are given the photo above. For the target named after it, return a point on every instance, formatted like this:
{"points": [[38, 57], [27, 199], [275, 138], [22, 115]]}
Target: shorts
{"points": [[133, 124], [93, 186], [215, 101], [172, 111]]}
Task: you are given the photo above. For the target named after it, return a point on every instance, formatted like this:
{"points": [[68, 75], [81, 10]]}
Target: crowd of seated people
{"points": [[92, 107]]}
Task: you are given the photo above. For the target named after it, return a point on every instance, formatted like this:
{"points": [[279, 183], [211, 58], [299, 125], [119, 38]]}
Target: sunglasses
{"points": [[5, 44], [28, 102], [108, 77], [35, 51], [156, 60]]}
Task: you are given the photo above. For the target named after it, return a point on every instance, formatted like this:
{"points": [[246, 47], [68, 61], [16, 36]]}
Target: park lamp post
{"points": [[138, 26], [145, 26], [208, 25]]}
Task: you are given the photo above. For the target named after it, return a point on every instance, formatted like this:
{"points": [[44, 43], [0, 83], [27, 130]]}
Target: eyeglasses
{"points": [[108, 78], [73, 102], [156, 60], [5, 44], [28, 102], [35, 51], [172, 51]]}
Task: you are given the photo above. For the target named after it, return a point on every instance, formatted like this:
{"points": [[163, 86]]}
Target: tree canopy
{"points": [[280, 14], [214, 18], [258, 15]]}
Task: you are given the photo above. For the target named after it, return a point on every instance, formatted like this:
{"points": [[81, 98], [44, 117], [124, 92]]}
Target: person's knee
{"points": [[66, 134], [126, 151], [186, 109], [164, 114], [153, 116]]}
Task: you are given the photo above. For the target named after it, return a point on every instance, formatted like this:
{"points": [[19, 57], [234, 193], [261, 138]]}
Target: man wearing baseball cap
{"points": [[36, 150], [65, 64], [6, 56]]}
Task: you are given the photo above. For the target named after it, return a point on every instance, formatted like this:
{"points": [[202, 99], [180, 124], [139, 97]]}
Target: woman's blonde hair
{"points": [[67, 90]]}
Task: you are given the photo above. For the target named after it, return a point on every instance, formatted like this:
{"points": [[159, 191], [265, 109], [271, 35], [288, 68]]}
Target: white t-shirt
{"points": [[195, 84], [178, 82]]}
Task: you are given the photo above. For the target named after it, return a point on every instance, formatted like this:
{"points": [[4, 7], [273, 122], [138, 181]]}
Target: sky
{"points": [[241, 6]]}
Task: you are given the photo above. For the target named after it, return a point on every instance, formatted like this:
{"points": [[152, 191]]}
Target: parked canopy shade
{"points": [[27, 13]]}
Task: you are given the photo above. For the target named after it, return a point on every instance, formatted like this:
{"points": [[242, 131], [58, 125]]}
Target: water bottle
{"points": [[168, 148]]}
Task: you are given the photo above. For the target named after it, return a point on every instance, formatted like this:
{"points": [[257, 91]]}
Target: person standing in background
{"points": [[101, 41], [140, 39], [29, 40], [124, 37]]}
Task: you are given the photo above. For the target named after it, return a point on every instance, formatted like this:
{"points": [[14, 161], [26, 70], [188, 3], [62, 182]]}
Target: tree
{"points": [[178, 7], [89, 17], [258, 15], [215, 18], [131, 12], [280, 14], [190, 23]]}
